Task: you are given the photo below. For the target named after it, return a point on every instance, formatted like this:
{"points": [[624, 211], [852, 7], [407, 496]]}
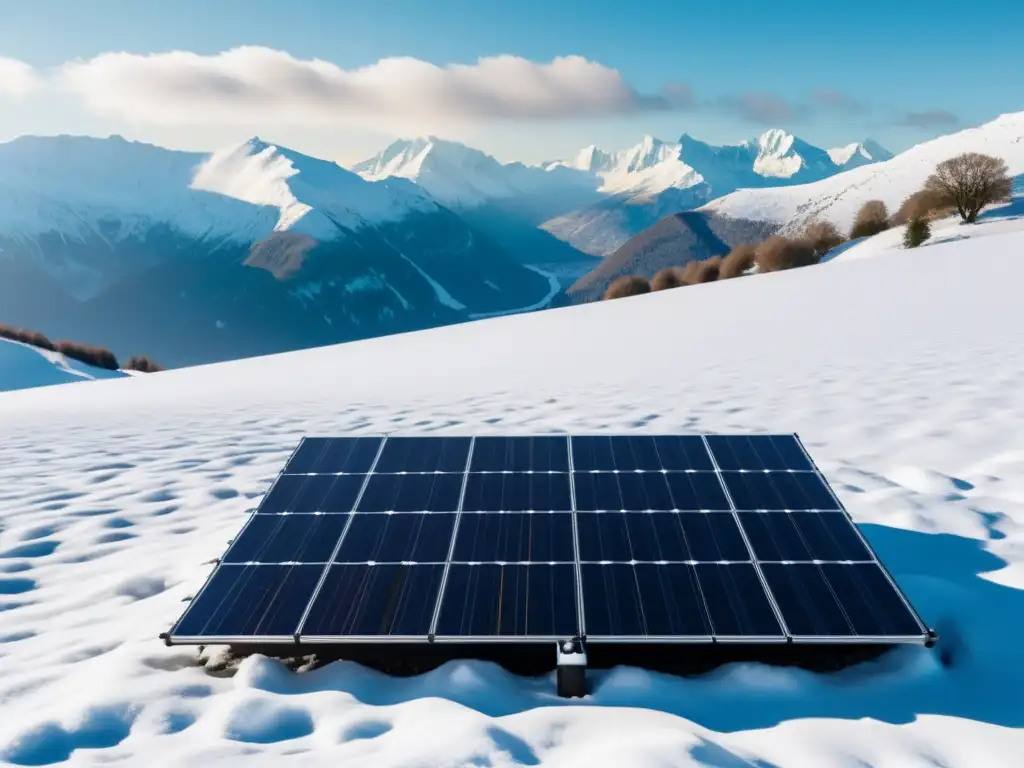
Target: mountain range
{"points": [[256, 248], [192, 258], [751, 214], [596, 200]]}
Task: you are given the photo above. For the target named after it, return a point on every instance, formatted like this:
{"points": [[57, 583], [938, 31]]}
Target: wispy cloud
{"points": [[258, 86], [763, 108], [931, 118], [249, 84], [831, 99], [17, 79]]}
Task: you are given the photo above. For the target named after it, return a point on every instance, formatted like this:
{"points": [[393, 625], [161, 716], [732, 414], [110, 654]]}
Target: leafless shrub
{"points": [[629, 285], [737, 262], [822, 236], [25, 336], [778, 253], [709, 269], [923, 204], [970, 182], [872, 218], [670, 277], [143, 364], [98, 357]]}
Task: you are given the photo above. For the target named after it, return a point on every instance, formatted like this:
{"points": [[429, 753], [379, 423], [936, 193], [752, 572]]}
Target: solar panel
{"points": [[616, 539]]}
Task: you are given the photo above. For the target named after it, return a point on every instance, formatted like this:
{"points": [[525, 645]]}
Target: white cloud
{"points": [[17, 79], [253, 84]]}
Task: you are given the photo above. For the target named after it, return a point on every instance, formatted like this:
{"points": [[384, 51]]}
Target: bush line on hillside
{"points": [[964, 184], [98, 357]]}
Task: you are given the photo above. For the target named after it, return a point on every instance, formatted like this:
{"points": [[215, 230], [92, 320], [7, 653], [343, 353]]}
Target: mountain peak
{"points": [[858, 154]]}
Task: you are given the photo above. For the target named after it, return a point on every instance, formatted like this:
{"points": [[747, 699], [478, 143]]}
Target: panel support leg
{"points": [[572, 669]]}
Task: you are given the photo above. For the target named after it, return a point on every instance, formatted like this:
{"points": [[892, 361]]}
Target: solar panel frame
{"points": [[299, 637]]}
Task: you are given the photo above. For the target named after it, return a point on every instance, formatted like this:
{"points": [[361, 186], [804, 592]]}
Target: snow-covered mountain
{"points": [[904, 382], [858, 154], [655, 179], [252, 249], [597, 199], [463, 177], [838, 198]]}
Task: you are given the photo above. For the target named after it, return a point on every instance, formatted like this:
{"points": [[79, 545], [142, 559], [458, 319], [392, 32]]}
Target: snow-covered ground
{"points": [[904, 381], [996, 221], [23, 366]]}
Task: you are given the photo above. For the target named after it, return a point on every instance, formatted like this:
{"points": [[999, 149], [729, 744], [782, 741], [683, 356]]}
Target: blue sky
{"points": [[832, 72]]}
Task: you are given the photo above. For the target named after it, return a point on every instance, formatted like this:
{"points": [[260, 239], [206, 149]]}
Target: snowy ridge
{"points": [[79, 187], [23, 366], [453, 173], [858, 154], [458, 175], [838, 198], [137, 485]]}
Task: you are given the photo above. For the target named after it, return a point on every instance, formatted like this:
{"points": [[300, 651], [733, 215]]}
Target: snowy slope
{"points": [[904, 382], [1000, 221], [23, 366], [838, 198]]}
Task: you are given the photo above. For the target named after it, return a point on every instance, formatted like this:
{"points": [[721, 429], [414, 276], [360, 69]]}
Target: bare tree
{"points": [[778, 253], [822, 236], [737, 261], [628, 285], [872, 218], [670, 277], [970, 182]]}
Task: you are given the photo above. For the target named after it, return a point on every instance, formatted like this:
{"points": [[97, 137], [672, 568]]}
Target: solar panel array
{"points": [[681, 538]]}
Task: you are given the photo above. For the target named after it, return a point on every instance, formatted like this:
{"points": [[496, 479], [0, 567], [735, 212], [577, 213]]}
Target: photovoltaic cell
{"points": [[251, 600], [803, 536], [640, 491], [779, 491], [758, 452], [659, 536], [424, 454], [517, 493], [736, 601], [312, 493], [839, 600], [336, 454], [649, 600], [621, 600], [513, 537], [397, 538], [520, 454], [643, 452], [375, 600], [287, 539], [509, 600], [411, 493]]}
